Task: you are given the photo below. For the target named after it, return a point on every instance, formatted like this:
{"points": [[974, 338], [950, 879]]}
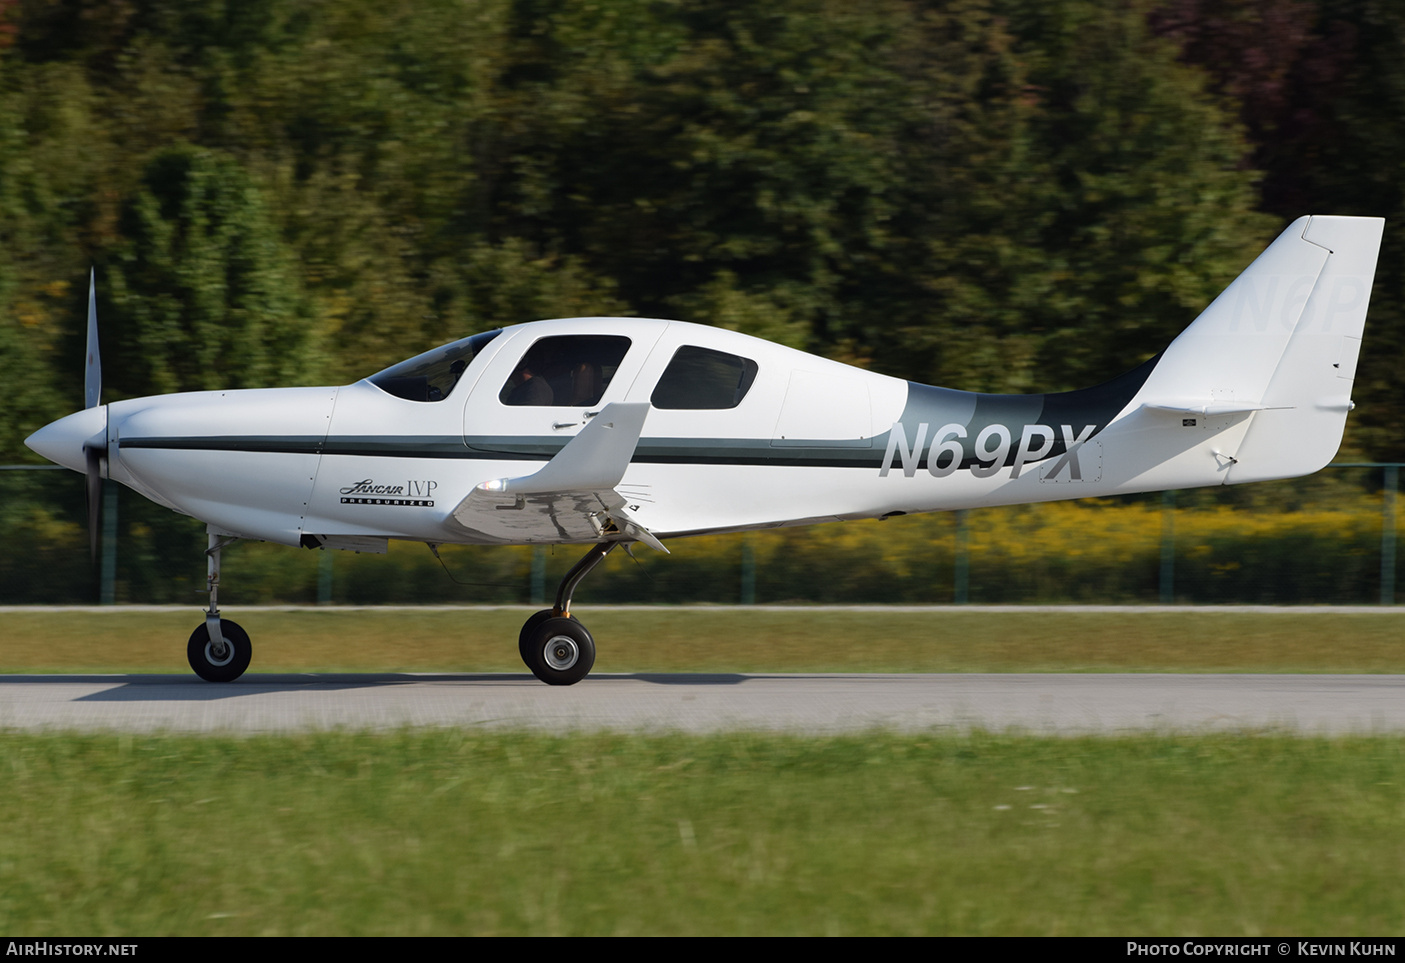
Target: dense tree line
{"points": [[999, 195]]}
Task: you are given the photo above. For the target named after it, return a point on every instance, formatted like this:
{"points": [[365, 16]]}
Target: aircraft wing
{"points": [[573, 496]]}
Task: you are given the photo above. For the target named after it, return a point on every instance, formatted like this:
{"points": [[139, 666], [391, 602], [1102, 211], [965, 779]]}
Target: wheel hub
{"points": [[221, 654], [561, 653]]}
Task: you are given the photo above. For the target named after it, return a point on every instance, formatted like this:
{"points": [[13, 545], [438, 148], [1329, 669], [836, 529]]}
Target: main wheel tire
{"points": [[524, 638], [214, 667], [559, 651]]}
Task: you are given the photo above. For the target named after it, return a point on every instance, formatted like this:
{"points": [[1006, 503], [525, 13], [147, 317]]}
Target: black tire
{"points": [[559, 651], [211, 668], [525, 636]]}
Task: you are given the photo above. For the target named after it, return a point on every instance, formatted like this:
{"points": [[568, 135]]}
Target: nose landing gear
{"points": [[555, 646], [218, 650]]}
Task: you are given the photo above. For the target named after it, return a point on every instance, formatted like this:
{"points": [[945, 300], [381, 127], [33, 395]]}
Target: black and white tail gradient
{"points": [[1257, 387]]}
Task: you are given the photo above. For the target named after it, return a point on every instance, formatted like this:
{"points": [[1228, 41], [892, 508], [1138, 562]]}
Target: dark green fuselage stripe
{"points": [[661, 451]]}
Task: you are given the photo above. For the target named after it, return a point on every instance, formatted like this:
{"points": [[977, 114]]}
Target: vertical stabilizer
{"points": [[1279, 347]]}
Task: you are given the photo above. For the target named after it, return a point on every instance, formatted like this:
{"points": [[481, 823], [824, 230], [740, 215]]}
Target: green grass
{"points": [[469, 832], [459, 832], [713, 640]]}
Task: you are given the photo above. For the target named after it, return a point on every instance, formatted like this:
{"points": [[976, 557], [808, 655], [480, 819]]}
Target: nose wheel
{"points": [[222, 661], [555, 646]]}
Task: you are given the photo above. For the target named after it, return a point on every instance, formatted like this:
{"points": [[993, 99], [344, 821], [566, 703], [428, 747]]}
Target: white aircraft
{"points": [[602, 431]]}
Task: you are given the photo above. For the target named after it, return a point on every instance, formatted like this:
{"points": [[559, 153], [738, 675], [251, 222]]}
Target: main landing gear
{"points": [[219, 650], [556, 647]]}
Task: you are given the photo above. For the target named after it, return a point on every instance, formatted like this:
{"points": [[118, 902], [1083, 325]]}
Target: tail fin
{"points": [[1277, 350]]}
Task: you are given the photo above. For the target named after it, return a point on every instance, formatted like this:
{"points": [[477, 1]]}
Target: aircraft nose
{"points": [[62, 441]]}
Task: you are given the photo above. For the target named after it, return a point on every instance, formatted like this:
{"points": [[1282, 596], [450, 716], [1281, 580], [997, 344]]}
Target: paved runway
{"points": [[1037, 703]]}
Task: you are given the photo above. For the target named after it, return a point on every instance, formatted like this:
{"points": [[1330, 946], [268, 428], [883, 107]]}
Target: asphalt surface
{"points": [[1034, 703]]}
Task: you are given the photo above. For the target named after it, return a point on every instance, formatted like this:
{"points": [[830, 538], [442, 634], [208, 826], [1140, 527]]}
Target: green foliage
{"points": [[1320, 85], [39, 271], [992, 194], [1082, 199], [989, 193], [204, 289]]}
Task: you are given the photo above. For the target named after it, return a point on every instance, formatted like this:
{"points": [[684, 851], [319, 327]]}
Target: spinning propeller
{"points": [[95, 448]]}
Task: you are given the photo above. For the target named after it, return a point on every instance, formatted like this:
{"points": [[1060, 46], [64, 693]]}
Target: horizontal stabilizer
{"points": [[1212, 407]]}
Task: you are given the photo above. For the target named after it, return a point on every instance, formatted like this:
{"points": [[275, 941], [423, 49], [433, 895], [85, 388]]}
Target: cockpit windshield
{"points": [[432, 375]]}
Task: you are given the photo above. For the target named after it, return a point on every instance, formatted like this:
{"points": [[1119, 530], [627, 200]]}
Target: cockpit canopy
{"points": [[577, 368], [432, 375]]}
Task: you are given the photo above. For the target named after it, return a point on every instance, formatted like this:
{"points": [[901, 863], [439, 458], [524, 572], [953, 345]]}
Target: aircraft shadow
{"points": [[185, 688]]}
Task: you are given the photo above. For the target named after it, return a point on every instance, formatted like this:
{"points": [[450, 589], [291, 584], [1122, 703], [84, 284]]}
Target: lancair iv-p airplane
{"points": [[602, 431]]}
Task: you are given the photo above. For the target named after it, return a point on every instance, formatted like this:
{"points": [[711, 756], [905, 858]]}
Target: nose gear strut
{"points": [[218, 650]]}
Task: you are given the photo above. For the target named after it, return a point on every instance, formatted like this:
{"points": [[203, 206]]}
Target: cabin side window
{"points": [[701, 378], [565, 371]]}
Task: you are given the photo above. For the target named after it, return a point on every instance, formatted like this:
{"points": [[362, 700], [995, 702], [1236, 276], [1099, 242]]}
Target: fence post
{"points": [[538, 588], [748, 593], [962, 575], [1392, 482], [107, 573], [324, 577], [1168, 547]]}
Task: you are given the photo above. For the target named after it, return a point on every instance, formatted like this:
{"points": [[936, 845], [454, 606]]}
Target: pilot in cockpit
{"points": [[531, 389]]}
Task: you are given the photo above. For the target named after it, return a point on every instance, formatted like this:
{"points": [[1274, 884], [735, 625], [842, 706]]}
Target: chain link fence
{"points": [[1327, 539]]}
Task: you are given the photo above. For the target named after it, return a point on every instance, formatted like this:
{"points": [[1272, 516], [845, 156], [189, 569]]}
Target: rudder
{"points": [[1309, 395]]}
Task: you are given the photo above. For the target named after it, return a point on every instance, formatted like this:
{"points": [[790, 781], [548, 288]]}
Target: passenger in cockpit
{"points": [[586, 384]]}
